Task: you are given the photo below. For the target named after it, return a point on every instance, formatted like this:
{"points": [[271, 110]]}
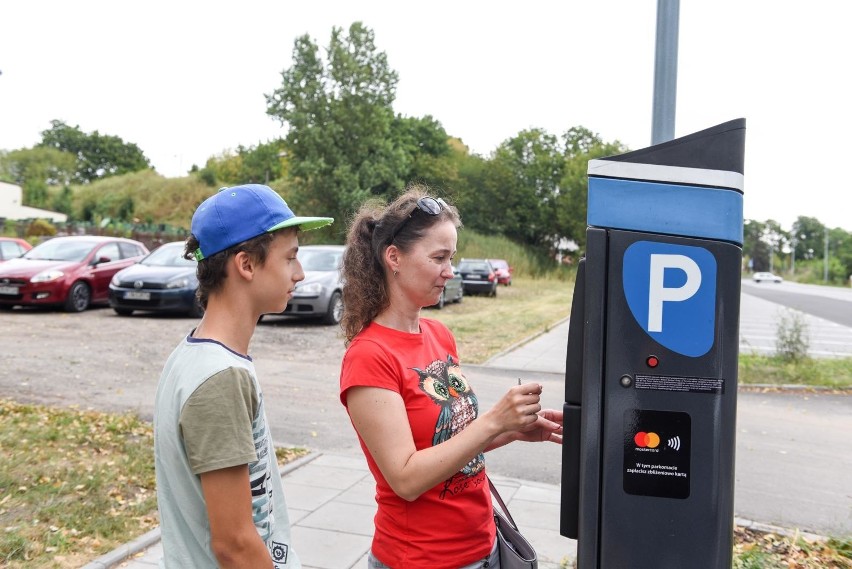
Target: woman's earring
{"points": [[396, 273]]}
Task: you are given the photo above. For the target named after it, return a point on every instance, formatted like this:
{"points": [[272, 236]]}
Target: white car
{"points": [[766, 277]]}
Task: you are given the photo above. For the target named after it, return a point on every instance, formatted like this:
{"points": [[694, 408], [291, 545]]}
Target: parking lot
{"points": [[101, 360]]}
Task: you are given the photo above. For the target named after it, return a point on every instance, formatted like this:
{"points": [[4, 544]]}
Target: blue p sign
{"points": [[671, 291]]}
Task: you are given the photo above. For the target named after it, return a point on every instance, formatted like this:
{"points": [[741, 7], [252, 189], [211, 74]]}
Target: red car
{"points": [[69, 272], [503, 270], [12, 247]]}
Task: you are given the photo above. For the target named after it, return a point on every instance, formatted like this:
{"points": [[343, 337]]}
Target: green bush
{"points": [[40, 227], [791, 336]]}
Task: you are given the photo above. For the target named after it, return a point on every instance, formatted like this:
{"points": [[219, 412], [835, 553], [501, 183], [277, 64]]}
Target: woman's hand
{"points": [[548, 427], [516, 410]]}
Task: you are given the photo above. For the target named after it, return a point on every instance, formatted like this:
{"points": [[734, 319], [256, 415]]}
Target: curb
{"points": [[123, 552], [786, 532], [526, 340], [791, 387], [126, 551]]}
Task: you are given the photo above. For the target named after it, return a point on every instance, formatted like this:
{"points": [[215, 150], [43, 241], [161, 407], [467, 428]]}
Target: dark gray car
{"points": [[320, 294], [478, 276]]}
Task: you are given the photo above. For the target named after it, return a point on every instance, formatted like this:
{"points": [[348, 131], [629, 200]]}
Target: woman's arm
{"points": [[381, 420]]}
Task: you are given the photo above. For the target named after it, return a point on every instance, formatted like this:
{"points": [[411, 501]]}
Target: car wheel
{"points": [[460, 297], [123, 311], [78, 297], [335, 309], [493, 291]]}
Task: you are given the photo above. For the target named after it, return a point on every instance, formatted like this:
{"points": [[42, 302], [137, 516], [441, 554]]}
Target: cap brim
{"points": [[304, 223]]}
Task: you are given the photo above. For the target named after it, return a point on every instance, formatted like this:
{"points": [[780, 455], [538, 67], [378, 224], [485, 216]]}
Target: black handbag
{"points": [[515, 551]]}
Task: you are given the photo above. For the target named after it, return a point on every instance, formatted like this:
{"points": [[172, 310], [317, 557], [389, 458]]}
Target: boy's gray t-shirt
{"points": [[208, 415]]}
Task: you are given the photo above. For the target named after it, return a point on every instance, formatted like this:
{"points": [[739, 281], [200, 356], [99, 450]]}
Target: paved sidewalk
{"points": [[331, 503], [545, 352]]}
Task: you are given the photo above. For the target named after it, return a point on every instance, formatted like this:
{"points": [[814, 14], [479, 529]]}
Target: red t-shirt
{"points": [[452, 524]]}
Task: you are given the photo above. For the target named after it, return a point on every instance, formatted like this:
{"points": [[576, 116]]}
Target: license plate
{"points": [[8, 290], [135, 295], [474, 277]]}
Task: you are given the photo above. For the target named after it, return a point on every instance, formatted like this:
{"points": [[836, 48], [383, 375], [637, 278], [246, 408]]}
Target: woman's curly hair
{"points": [[373, 228]]}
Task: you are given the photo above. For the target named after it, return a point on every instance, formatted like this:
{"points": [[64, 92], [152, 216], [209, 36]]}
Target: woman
{"points": [[415, 413]]}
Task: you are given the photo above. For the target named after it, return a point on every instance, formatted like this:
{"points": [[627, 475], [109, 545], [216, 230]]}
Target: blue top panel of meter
{"points": [[671, 209], [690, 186]]}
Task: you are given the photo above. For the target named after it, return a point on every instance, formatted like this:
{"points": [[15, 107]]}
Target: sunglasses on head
{"points": [[426, 204]]}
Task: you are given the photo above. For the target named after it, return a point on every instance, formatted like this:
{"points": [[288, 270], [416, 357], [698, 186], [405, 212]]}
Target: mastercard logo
{"points": [[647, 440]]}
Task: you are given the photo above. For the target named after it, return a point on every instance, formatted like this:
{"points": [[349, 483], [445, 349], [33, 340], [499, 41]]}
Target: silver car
{"points": [[453, 291], [320, 294]]}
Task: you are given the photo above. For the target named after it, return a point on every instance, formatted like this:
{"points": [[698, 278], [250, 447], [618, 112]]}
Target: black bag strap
{"points": [[496, 494]]}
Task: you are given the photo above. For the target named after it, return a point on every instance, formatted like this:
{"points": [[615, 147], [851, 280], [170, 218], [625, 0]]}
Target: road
{"points": [[826, 311]]}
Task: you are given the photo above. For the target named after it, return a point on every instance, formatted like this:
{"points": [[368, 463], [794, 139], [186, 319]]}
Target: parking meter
{"points": [[651, 368]]}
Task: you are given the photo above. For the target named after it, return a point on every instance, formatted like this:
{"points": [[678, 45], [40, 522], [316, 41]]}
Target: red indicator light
{"points": [[652, 361]]}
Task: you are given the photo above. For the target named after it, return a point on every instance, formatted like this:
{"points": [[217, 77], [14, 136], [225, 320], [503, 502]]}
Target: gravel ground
{"points": [[101, 360]]}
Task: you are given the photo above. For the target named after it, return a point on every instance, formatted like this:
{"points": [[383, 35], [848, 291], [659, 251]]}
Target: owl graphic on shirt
{"points": [[445, 384]]}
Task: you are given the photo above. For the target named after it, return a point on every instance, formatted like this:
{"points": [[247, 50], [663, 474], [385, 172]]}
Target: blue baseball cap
{"points": [[237, 214]]}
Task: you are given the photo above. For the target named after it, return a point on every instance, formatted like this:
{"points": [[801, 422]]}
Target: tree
{"points": [[524, 176], [339, 116], [808, 234], [97, 155], [255, 164], [581, 145], [762, 241], [426, 151], [753, 247], [842, 241], [36, 170]]}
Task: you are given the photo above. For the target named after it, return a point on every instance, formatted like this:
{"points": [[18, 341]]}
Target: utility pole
{"points": [[825, 263], [793, 257], [665, 71]]}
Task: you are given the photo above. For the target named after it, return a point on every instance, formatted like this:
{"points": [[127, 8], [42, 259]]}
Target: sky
{"points": [[186, 79]]}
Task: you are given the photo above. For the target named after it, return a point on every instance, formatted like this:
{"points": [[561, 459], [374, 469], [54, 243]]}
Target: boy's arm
{"points": [[234, 539]]}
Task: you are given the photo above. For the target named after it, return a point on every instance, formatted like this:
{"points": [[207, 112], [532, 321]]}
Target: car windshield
{"points": [[169, 255], [61, 250], [474, 267], [497, 264], [320, 260]]}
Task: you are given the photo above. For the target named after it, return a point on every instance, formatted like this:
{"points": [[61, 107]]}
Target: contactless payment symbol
{"points": [[657, 453], [671, 292]]}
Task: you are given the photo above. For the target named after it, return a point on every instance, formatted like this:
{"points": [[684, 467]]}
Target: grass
{"points": [[759, 550], [74, 484], [485, 326], [774, 370]]}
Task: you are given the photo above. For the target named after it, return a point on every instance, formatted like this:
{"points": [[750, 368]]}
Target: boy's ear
{"points": [[243, 265]]}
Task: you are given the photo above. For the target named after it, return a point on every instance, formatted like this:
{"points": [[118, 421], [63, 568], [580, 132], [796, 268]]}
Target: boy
{"points": [[218, 487]]}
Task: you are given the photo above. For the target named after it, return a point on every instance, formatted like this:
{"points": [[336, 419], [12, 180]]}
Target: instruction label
{"points": [[657, 453], [679, 383]]}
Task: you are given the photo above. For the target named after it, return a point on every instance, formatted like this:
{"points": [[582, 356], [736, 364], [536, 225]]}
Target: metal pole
{"points": [[825, 263], [665, 71], [793, 257]]}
